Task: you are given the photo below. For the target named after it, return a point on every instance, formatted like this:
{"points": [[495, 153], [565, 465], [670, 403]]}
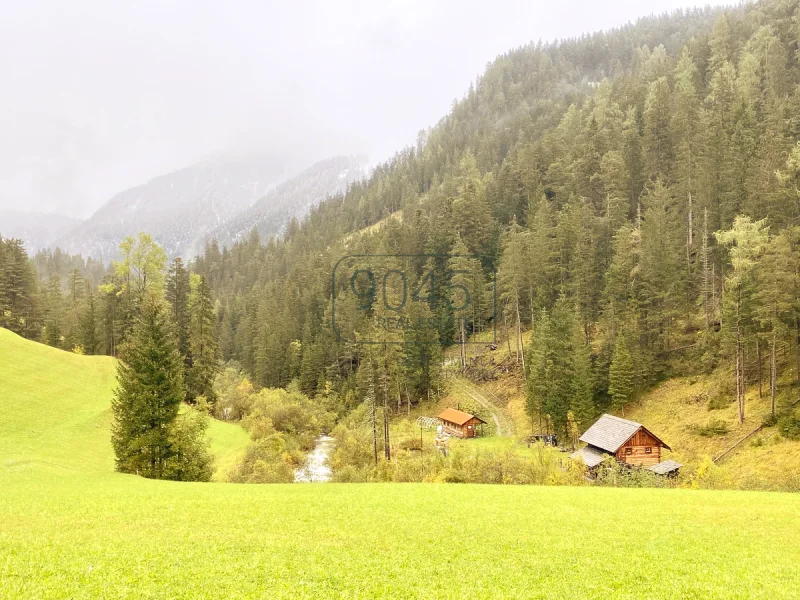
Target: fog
{"points": [[98, 96]]}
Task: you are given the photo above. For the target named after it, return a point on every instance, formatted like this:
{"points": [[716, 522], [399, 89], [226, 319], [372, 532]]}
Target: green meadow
{"points": [[72, 528]]}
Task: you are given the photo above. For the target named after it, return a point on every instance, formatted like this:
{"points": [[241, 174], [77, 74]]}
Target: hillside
{"points": [[178, 209], [57, 412]]}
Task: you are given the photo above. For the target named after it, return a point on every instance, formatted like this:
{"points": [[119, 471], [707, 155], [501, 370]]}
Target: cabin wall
{"points": [[638, 445]]}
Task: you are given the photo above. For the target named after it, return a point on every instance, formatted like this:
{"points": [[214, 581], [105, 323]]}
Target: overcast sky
{"points": [[98, 96]]}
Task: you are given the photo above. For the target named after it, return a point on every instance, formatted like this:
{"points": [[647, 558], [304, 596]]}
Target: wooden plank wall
{"points": [[638, 443]]}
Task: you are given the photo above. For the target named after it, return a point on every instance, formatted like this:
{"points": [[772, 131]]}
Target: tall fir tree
{"points": [[203, 347], [148, 395]]}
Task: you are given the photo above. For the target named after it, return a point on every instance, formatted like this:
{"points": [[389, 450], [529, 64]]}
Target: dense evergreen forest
{"points": [[636, 192]]}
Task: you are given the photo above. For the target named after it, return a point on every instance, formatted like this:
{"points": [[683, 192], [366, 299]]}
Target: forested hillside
{"points": [[633, 192]]}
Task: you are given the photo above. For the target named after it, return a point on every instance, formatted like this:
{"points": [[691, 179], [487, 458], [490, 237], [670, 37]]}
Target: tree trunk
{"points": [[508, 335], [373, 418], [520, 351], [758, 357], [773, 372]]}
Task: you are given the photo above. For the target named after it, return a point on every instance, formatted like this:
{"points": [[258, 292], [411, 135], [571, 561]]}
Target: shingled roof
{"points": [[456, 416], [609, 433], [666, 467], [591, 457]]}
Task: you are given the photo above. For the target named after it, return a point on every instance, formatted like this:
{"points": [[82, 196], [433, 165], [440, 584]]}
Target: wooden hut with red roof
{"points": [[461, 424]]}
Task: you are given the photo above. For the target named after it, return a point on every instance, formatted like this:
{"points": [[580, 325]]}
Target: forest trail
{"points": [[504, 424]]}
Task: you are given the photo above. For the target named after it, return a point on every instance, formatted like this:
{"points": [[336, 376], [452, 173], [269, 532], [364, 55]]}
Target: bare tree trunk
{"points": [[373, 419], [739, 358], [520, 350], [797, 346], [758, 357], [707, 280], [508, 335], [773, 367], [463, 349], [386, 447]]}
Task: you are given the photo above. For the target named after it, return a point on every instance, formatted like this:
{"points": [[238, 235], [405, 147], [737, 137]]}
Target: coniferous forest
{"points": [[634, 194]]}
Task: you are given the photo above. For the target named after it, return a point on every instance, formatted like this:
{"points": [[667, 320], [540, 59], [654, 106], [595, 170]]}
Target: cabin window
{"points": [[648, 450], [628, 450]]}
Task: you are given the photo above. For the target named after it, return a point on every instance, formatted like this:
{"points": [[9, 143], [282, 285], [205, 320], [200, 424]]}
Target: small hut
{"points": [[629, 442], [459, 423]]}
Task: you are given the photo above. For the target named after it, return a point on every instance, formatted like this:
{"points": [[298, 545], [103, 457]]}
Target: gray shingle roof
{"points": [[666, 467], [610, 432], [591, 457]]}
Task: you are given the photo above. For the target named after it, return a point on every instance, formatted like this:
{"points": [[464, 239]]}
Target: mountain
{"points": [[37, 230], [178, 209], [292, 199]]}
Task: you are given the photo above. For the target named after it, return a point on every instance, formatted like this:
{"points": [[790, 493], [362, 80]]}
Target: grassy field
{"points": [[56, 412], [71, 528]]}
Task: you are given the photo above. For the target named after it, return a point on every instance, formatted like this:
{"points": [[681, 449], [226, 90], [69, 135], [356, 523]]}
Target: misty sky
{"points": [[98, 96]]}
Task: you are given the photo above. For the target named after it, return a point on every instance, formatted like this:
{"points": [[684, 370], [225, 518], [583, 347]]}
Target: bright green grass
{"points": [[71, 528], [55, 412], [118, 536]]}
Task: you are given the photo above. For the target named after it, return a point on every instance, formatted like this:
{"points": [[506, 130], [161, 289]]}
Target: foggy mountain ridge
{"points": [[293, 198], [178, 209], [36, 229]]}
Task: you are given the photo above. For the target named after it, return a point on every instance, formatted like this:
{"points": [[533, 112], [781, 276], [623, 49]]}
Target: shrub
{"points": [[191, 459], [718, 402], [270, 459], [770, 420], [710, 476], [713, 428], [790, 426]]}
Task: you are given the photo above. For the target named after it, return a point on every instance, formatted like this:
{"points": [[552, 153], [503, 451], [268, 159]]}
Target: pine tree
{"points": [[88, 325], [582, 406], [177, 293], [148, 395], [621, 375], [203, 346], [775, 300], [746, 239]]}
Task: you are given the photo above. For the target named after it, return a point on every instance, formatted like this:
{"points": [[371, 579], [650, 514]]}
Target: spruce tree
{"points": [[177, 293], [148, 395], [621, 375], [202, 342]]}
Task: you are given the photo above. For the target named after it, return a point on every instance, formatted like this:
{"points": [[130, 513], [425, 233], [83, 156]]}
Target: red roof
{"points": [[451, 415]]}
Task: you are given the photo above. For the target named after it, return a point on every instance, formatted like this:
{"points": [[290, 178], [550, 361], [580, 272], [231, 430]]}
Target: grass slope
{"points": [[672, 409], [95, 533], [56, 411]]}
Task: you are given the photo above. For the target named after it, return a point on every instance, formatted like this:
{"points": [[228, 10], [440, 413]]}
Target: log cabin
{"points": [[459, 423], [629, 442]]}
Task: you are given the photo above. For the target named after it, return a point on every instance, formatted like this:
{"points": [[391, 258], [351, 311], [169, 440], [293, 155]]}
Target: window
{"points": [[628, 450], [648, 450]]}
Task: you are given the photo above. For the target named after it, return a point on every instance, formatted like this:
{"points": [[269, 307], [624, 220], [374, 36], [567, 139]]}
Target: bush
{"points": [[713, 428], [270, 459], [789, 426], [770, 420], [710, 476], [191, 460], [718, 402], [234, 394], [613, 474]]}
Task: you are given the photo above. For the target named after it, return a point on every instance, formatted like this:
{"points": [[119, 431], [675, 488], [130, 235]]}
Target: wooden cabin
{"points": [[629, 442], [459, 423]]}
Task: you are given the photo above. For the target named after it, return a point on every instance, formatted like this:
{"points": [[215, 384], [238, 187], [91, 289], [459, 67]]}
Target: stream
{"points": [[316, 469]]}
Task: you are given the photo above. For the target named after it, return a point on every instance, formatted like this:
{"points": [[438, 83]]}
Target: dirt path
{"points": [[503, 422]]}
